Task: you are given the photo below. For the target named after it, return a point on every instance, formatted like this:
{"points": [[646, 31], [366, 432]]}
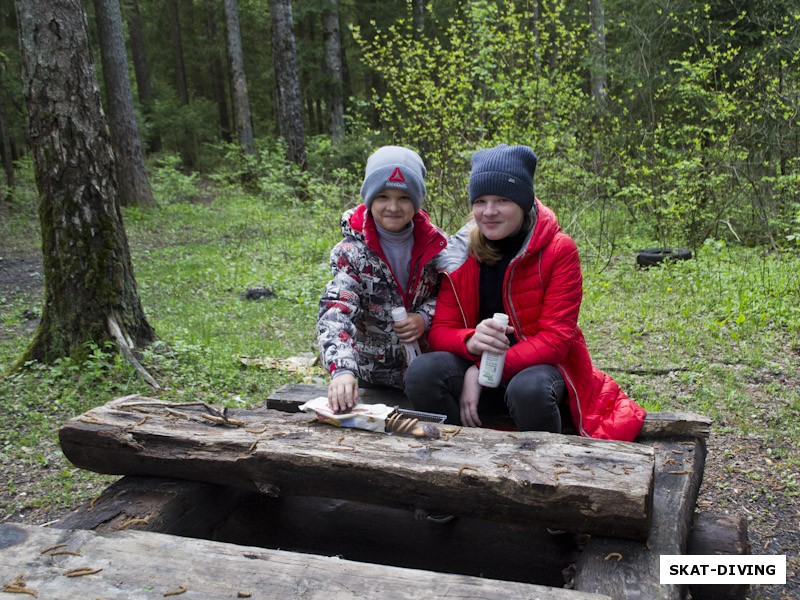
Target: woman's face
{"points": [[497, 217]]}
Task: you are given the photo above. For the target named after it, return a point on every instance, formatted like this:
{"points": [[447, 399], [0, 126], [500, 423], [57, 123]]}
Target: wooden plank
{"points": [[719, 534], [178, 507], [563, 482], [675, 424], [629, 570], [131, 565], [656, 424]]}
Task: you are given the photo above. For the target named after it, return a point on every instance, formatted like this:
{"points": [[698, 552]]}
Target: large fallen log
{"points": [[129, 565], [563, 482]]}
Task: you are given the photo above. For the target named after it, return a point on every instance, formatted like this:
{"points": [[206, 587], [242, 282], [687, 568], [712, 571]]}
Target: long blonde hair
{"points": [[484, 250]]}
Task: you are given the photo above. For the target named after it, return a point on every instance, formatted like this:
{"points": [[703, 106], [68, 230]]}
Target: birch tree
{"points": [[90, 289]]}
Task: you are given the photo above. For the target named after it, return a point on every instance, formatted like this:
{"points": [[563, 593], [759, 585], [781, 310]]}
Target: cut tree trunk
{"points": [[563, 482]]}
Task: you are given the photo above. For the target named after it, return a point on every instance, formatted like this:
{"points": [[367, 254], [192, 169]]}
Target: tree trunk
{"points": [[6, 150], [217, 73], [290, 99], [597, 53], [241, 101], [418, 8], [177, 51], [332, 50], [134, 186], [90, 288], [141, 69]]}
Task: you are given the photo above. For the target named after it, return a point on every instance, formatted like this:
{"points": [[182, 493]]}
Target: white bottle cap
{"points": [[399, 313], [501, 318]]}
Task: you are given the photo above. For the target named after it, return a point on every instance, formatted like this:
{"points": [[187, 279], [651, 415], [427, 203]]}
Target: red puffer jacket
{"points": [[542, 294]]}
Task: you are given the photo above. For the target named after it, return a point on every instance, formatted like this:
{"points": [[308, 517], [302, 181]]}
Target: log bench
{"points": [[563, 482], [128, 565], [384, 530]]}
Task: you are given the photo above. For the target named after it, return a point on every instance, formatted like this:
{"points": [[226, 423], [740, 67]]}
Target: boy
{"points": [[384, 261]]}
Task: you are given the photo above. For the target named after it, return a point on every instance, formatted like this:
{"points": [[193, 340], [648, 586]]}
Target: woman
{"points": [[513, 258]]}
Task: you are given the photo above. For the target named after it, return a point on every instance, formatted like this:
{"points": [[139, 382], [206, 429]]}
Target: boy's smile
{"points": [[392, 209]]}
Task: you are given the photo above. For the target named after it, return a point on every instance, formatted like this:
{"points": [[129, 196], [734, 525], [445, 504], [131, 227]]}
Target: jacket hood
{"points": [[457, 251]]}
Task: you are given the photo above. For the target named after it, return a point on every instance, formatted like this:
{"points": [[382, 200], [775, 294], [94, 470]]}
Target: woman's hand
{"points": [[489, 336], [411, 329], [470, 396], [343, 393]]}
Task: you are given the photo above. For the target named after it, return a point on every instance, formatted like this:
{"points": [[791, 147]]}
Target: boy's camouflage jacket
{"points": [[354, 328]]}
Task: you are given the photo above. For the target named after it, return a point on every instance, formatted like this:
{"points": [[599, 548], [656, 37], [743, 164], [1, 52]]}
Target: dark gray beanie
{"points": [[505, 171], [398, 168]]}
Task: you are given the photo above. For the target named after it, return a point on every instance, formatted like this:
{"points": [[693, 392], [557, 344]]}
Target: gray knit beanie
{"points": [[397, 168], [505, 171]]}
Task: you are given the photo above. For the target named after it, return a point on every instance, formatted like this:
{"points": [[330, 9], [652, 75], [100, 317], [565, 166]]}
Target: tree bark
{"points": [[241, 102], [332, 50], [141, 69], [5, 149], [418, 8], [290, 99], [597, 53], [134, 186], [217, 72], [90, 288], [177, 51]]}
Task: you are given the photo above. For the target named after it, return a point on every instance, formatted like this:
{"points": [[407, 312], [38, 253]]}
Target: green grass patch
{"points": [[715, 335]]}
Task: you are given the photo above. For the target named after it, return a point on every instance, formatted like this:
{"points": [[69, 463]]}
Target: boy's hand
{"points": [[411, 329], [343, 393]]}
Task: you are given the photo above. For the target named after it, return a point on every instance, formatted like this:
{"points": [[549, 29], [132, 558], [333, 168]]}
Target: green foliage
{"points": [[169, 182], [705, 151], [485, 81]]}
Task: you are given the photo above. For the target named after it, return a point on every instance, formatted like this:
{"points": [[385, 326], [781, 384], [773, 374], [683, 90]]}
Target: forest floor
{"points": [[739, 476]]}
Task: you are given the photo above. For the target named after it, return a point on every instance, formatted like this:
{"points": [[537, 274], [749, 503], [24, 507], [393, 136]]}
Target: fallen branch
{"points": [[124, 346]]}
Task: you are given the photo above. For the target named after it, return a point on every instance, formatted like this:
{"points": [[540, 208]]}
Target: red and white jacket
{"points": [[542, 293]]}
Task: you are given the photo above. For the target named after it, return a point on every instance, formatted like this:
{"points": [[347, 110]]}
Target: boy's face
{"points": [[392, 209]]}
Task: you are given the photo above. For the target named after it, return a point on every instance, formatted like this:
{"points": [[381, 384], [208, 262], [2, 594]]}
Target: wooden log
{"points": [[656, 424], [675, 424], [174, 506], [563, 482], [719, 534], [630, 570], [130, 565]]}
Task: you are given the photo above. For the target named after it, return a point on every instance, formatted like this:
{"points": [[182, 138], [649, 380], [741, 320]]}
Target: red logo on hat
{"points": [[397, 175]]}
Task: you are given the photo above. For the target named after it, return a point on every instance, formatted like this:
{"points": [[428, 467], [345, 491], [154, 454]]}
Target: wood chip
{"points": [[18, 586], [181, 590], [81, 571]]}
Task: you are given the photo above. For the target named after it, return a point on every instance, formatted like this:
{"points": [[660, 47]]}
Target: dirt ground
{"points": [[739, 477]]}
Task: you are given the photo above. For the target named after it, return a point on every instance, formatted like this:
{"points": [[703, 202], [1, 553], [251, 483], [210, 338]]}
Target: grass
{"points": [[715, 335]]}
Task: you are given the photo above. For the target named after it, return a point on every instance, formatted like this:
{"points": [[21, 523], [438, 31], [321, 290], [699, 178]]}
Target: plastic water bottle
{"points": [[491, 371], [412, 349]]}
